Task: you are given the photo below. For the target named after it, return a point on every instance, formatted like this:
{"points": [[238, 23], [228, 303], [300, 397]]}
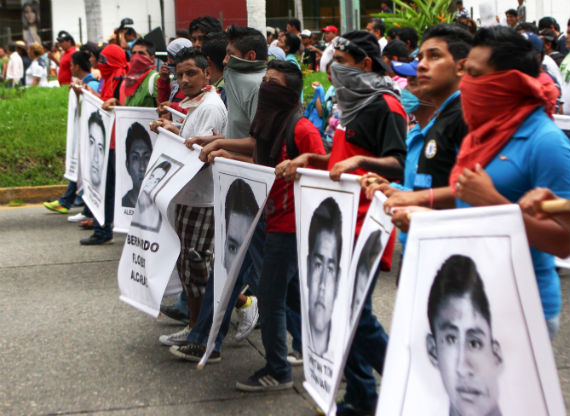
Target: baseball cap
{"points": [[329, 28], [535, 40], [20, 44], [405, 69], [396, 47], [177, 45], [63, 36], [548, 34], [366, 42], [306, 33]]}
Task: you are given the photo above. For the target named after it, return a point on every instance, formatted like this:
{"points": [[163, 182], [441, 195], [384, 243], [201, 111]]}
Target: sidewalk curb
{"points": [[31, 194]]}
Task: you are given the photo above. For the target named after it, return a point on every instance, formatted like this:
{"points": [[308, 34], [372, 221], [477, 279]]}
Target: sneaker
{"points": [[178, 338], [77, 218], [95, 240], [343, 408], [87, 224], [247, 319], [262, 381], [174, 313], [295, 358], [194, 352], [55, 206]]}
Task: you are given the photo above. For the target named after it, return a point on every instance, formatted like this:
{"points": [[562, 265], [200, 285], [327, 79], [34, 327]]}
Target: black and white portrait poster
{"points": [[95, 138], [72, 141], [134, 142], [240, 192], [325, 217], [152, 245], [468, 334]]}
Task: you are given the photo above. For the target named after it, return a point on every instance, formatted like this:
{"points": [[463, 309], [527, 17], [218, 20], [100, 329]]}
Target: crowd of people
{"points": [[461, 116]]}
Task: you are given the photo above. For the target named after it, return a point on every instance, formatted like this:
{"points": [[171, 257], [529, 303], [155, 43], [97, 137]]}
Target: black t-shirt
{"points": [[441, 146], [309, 58], [380, 128]]}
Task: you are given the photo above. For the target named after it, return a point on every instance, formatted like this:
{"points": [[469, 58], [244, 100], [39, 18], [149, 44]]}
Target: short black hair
{"points": [[378, 25], [509, 50], [327, 217], [130, 31], [137, 132], [409, 34], [393, 32], [370, 250], [147, 44], [457, 276], [206, 24], [527, 27], [293, 76], [240, 200], [165, 165], [546, 23], [91, 48], [192, 53], [214, 47], [182, 33], [293, 41], [82, 59], [458, 40], [512, 12], [97, 119], [12, 47], [296, 23], [246, 39]]}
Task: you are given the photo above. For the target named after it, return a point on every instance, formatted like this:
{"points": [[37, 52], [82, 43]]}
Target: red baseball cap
{"points": [[329, 28]]}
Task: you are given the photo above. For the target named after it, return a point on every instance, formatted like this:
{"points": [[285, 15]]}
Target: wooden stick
{"points": [[555, 206]]}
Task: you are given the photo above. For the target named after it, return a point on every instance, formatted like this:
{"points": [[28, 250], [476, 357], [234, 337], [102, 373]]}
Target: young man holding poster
{"points": [[371, 137]]}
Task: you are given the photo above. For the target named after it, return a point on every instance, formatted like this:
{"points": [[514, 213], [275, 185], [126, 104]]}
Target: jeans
{"points": [[279, 268], [553, 325], [248, 274], [106, 230], [294, 314], [66, 200], [367, 352]]}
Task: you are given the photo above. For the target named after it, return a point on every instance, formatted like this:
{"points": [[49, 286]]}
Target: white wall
{"points": [[66, 14], [535, 9]]}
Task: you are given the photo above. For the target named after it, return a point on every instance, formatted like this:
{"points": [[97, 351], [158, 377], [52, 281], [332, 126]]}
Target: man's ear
{"points": [[207, 73], [432, 350], [250, 55], [366, 64], [497, 353], [460, 67]]}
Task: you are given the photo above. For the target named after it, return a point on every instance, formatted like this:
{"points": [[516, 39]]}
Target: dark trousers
{"points": [[106, 230]]}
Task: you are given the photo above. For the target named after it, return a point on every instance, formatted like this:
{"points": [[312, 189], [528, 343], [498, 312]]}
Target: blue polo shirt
{"points": [[91, 81], [538, 154]]}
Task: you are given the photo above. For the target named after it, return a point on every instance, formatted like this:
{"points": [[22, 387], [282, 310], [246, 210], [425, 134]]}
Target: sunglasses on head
{"points": [[345, 45]]}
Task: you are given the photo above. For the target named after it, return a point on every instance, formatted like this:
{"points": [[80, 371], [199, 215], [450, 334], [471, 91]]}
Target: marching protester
{"points": [[214, 49], [371, 137], [66, 42], [169, 92], [200, 27]]}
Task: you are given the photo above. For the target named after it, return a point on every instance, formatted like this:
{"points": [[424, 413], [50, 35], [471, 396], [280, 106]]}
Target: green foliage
{"points": [[308, 79], [32, 138], [419, 14]]}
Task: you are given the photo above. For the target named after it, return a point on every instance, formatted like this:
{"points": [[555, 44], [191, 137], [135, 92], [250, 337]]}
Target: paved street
{"points": [[69, 346]]}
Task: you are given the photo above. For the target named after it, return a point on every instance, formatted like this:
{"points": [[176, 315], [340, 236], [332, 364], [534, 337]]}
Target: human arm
{"points": [[243, 147], [288, 168], [387, 166], [109, 104], [228, 155]]}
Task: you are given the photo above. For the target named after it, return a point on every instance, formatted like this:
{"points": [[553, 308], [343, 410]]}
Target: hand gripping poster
{"points": [[325, 216], [134, 142], [72, 141], [152, 245], [95, 137], [240, 192], [468, 334]]}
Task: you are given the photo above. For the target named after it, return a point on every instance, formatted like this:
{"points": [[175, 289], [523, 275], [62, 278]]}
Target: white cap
{"points": [[306, 33]]}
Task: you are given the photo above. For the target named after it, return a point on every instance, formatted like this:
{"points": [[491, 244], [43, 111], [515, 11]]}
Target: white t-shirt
{"points": [[36, 70], [382, 42], [551, 67], [15, 70], [210, 115]]}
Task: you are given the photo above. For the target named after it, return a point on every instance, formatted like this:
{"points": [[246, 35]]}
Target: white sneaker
{"points": [[295, 358], [247, 319], [178, 338], [77, 218]]}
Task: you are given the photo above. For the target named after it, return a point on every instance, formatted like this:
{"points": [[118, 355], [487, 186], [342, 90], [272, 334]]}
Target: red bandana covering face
{"points": [[139, 67], [112, 69], [494, 107]]}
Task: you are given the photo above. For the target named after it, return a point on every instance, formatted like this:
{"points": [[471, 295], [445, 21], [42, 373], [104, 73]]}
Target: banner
{"points": [[95, 137], [72, 141], [468, 334], [152, 245], [134, 142], [240, 192], [564, 123], [325, 217]]}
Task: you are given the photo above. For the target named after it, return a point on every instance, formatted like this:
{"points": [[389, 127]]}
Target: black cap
{"points": [[548, 34], [63, 36], [396, 47], [369, 44]]}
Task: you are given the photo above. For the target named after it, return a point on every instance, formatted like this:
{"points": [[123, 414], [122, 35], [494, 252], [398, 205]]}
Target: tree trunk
{"points": [[94, 22], [298, 8]]}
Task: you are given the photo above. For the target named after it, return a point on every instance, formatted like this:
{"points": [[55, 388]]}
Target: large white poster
{"points": [[95, 139], [468, 335], [564, 123], [72, 141], [325, 215], [134, 142], [240, 192], [152, 245]]}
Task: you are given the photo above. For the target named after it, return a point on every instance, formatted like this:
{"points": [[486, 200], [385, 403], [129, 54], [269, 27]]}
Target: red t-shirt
{"points": [[280, 206], [64, 74]]}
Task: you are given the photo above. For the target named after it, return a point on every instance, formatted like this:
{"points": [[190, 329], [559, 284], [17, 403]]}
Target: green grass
{"points": [[32, 139], [309, 78]]}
